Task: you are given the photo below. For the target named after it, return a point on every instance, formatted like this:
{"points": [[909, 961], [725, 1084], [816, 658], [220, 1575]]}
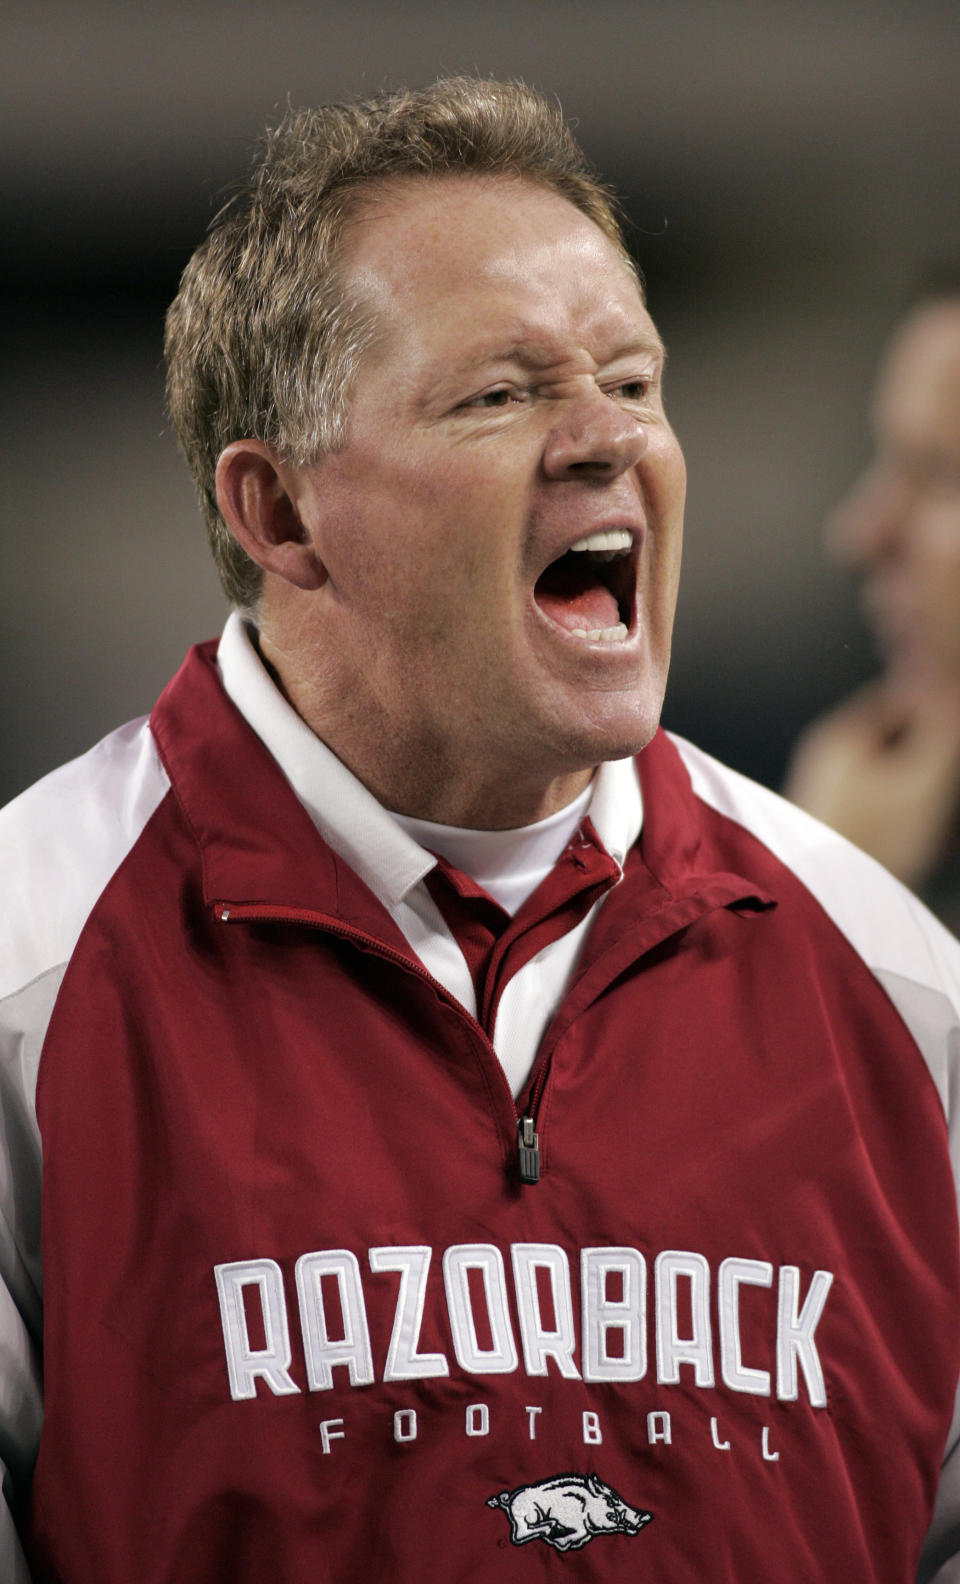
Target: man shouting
{"points": [[470, 1126]]}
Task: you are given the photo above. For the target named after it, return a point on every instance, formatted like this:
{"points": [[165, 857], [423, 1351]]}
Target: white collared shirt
{"points": [[381, 848]]}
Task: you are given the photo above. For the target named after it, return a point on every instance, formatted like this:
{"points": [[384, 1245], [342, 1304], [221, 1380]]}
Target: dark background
{"points": [[786, 167]]}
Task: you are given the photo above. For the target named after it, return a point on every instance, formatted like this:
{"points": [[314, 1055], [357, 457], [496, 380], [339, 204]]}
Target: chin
{"points": [[621, 740], [627, 728]]}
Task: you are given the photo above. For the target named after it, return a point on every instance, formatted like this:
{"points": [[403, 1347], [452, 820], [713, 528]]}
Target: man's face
{"points": [[509, 410], [900, 525]]}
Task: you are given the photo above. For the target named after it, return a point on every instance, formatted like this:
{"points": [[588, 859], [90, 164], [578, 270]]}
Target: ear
{"points": [[258, 510]]}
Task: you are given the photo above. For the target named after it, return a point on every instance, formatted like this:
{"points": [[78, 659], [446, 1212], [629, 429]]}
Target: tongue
{"points": [[575, 599]]}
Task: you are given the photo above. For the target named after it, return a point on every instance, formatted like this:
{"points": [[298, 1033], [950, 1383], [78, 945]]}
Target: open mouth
{"points": [[589, 590]]}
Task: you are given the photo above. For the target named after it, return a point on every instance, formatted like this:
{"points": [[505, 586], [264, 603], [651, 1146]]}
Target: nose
{"points": [[595, 437], [871, 522]]}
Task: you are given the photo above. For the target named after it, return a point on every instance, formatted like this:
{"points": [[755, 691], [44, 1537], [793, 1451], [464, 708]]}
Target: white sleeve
{"points": [[21, 1403], [60, 842], [918, 964], [943, 1541], [12, 1564]]}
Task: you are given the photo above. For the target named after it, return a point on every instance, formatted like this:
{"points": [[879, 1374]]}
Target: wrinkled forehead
{"points": [[442, 198], [490, 244]]}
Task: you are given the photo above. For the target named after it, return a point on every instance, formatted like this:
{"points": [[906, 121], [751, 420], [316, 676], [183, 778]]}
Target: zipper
{"points": [[528, 1150], [528, 1140]]}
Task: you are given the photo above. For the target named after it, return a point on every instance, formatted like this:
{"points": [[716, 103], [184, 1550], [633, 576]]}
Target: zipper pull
{"points": [[528, 1151]]}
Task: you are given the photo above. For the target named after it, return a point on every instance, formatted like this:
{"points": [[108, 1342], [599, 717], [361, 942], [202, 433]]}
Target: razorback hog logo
{"points": [[567, 1511]]}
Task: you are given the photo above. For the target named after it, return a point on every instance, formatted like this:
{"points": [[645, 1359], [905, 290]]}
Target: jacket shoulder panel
{"points": [[62, 840], [60, 843], [886, 925], [908, 951]]}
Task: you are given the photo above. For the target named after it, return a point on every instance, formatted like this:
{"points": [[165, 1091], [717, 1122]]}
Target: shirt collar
{"points": [[347, 815], [616, 808]]}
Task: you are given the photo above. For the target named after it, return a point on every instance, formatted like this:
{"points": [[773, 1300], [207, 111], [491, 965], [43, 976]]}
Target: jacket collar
{"points": [[349, 818], [259, 844]]}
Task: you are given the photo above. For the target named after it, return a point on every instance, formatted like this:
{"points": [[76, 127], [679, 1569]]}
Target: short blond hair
{"points": [[263, 338]]}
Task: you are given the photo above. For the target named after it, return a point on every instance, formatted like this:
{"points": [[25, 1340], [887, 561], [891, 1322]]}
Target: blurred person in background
{"points": [[883, 767]]}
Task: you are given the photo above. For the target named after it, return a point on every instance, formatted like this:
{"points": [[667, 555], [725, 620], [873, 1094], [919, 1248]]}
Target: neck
{"points": [[412, 771]]}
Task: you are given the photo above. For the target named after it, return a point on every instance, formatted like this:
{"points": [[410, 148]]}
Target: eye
{"points": [[499, 396], [634, 389]]}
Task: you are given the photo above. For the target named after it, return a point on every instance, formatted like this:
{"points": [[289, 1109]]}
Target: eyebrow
{"points": [[532, 352]]}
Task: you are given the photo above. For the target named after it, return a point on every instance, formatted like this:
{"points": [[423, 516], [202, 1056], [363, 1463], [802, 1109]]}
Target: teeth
{"points": [[609, 542], [602, 634]]}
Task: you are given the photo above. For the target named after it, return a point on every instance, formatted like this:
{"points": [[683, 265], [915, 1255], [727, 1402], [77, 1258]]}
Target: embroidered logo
{"points": [[567, 1511]]}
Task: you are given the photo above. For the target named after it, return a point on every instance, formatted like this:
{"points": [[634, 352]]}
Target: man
{"points": [[884, 767], [464, 1143]]}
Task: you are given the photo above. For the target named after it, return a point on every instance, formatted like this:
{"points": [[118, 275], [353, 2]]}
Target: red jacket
{"points": [[303, 1321]]}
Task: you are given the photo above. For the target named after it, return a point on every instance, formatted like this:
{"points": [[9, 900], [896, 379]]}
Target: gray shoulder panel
{"points": [[932, 1020], [898, 940], [24, 1017]]}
